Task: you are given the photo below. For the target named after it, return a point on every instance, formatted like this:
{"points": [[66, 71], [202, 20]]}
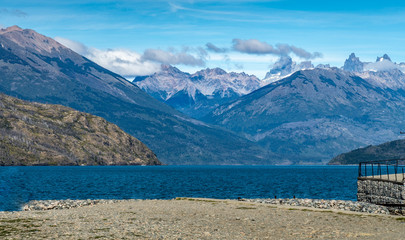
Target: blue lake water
{"points": [[19, 185]]}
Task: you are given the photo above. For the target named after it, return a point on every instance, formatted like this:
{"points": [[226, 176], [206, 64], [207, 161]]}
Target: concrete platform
{"points": [[391, 177]]}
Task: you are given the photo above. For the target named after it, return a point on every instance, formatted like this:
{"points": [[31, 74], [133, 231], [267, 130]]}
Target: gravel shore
{"points": [[187, 218]]}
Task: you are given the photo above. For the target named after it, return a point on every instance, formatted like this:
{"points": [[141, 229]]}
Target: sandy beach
{"points": [[197, 219]]}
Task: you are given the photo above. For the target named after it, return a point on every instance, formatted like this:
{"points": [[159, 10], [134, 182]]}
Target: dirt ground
{"points": [[197, 219]]}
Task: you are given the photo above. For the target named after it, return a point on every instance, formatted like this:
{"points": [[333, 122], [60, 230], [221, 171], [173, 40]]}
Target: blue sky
{"points": [[134, 37]]}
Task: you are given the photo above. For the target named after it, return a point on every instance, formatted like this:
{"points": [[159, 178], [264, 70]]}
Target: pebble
{"points": [[326, 204]]}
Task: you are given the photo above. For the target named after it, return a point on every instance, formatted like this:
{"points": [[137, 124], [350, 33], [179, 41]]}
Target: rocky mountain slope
{"points": [[43, 134], [316, 114], [37, 68], [199, 93], [389, 150]]}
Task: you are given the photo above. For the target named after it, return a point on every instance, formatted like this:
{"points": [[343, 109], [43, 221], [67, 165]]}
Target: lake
{"points": [[19, 185]]}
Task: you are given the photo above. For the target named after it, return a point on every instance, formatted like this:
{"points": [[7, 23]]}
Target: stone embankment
{"points": [[326, 204]]}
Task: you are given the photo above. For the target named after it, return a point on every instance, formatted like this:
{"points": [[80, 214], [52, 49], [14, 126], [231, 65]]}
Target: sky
{"points": [[134, 37]]}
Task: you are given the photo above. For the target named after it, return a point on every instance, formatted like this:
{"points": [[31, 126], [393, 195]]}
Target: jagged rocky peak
{"points": [[384, 57], [353, 64]]}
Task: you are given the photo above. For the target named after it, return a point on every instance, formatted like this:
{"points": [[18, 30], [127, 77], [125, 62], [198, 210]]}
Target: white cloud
{"points": [[122, 61], [382, 65], [130, 63], [254, 46], [75, 46], [174, 58], [213, 48]]}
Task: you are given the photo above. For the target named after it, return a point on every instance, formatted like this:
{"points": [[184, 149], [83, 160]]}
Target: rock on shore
{"points": [[326, 204], [311, 203], [62, 204]]}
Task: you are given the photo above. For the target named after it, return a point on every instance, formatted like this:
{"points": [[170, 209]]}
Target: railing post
{"points": [[359, 170], [403, 175], [396, 170], [365, 169], [372, 170]]}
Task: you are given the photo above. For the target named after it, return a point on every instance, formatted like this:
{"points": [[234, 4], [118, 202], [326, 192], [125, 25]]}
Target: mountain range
{"points": [[313, 115], [199, 93], [303, 113], [298, 114], [43, 134], [37, 68]]}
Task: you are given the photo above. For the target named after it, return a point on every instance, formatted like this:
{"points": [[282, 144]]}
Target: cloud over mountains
{"points": [[211, 47], [172, 57], [13, 12], [129, 63], [122, 61], [254, 46]]}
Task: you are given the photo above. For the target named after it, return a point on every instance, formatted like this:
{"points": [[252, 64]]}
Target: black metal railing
{"points": [[392, 169]]}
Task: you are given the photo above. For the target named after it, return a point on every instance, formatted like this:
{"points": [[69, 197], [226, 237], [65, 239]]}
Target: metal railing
{"points": [[391, 170]]}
